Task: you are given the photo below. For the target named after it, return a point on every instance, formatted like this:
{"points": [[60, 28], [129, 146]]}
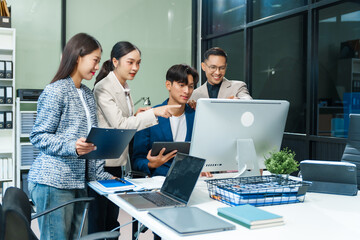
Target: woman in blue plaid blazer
{"points": [[66, 112]]}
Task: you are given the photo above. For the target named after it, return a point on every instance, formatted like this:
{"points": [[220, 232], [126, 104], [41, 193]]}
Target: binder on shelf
{"points": [[2, 95], [2, 69], [9, 69], [9, 120], [9, 95], [2, 119]]}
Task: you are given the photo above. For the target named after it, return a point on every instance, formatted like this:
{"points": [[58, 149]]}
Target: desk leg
{"points": [[135, 226], [156, 237]]}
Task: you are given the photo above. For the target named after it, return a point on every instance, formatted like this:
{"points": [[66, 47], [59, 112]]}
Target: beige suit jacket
{"points": [[227, 89], [113, 112]]}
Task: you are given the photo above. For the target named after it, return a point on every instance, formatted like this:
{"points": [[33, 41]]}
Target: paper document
{"points": [[148, 183], [111, 186]]}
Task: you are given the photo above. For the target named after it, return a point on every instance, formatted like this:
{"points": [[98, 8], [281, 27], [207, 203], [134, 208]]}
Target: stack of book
{"points": [[250, 216]]}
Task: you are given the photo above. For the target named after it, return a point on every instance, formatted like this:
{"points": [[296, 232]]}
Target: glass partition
{"points": [[278, 69], [233, 45], [265, 8], [224, 15], [338, 68]]}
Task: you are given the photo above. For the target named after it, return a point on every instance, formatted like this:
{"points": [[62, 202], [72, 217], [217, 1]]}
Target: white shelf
{"points": [[25, 167], [6, 180], [5, 151], [25, 152], [7, 136], [33, 102]]}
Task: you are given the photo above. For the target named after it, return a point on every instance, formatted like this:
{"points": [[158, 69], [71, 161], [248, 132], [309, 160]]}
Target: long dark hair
{"points": [[119, 50], [78, 46]]}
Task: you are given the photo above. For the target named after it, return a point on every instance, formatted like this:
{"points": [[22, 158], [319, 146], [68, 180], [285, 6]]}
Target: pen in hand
{"points": [[120, 180]]}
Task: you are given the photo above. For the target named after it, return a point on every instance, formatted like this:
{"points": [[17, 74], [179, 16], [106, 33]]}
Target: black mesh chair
{"points": [[352, 150], [17, 217], [1, 224]]}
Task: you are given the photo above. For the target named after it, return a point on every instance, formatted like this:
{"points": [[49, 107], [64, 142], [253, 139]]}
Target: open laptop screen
{"points": [[182, 176]]}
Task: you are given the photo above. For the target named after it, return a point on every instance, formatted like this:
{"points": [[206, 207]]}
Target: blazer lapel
{"points": [[164, 125], [203, 90], [119, 93], [189, 124], [225, 85]]}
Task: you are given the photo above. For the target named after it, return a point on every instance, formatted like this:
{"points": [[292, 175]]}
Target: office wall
{"points": [[38, 45], [161, 29]]}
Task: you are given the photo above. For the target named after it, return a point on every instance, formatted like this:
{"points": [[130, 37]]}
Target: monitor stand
{"points": [[248, 165]]}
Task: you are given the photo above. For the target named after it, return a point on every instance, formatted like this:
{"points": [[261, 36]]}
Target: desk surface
{"points": [[321, 216]]}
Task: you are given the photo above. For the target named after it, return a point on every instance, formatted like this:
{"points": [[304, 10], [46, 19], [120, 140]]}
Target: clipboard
{"points": [[110, 143]]}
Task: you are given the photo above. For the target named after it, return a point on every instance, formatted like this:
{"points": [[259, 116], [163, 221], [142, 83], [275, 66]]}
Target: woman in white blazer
{"points": [[116, 110]]}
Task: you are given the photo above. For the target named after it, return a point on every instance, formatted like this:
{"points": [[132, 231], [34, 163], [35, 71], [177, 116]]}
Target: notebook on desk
{"points": [[190, 220], [177, 188]]}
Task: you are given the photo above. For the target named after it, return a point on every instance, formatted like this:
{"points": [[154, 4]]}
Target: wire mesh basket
{"points": [[257, 191]]}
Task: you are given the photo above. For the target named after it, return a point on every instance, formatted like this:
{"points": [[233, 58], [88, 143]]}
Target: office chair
{"points": [[1, 224], [17, 217], [131, 173], [352, 149]]}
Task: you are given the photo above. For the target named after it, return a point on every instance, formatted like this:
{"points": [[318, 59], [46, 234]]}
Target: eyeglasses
{"points": [[213, 68]]}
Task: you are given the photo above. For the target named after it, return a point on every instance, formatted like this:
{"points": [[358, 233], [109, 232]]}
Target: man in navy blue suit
{"points": [[180, 82]]}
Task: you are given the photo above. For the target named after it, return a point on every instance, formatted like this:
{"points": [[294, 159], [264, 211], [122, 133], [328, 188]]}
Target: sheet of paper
{"points": [[148, 183]]}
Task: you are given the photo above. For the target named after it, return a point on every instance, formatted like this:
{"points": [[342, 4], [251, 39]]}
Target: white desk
{"points": [[321, 216]]}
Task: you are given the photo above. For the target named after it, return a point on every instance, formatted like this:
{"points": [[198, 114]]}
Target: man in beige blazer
{"points": [[217, 86]]}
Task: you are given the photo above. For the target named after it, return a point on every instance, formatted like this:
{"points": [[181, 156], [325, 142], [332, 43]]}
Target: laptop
{"points": [[190, 220], [177, 188], [331, 177]]}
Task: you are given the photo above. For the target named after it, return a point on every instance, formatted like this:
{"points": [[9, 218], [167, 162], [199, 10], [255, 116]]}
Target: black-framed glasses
{"points": [[213, 68]]}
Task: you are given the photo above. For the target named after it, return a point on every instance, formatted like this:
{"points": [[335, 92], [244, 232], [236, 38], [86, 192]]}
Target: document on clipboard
{"points": [[110, 143], [110, 186]]}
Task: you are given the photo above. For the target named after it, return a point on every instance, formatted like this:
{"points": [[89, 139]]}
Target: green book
{"points": [[250, 216]]}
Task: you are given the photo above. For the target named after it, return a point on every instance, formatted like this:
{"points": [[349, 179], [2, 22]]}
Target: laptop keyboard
{"points": [[159, 200]]}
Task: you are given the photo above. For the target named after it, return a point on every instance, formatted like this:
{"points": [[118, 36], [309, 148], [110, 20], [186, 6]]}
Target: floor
{"points": [[125, 232]]}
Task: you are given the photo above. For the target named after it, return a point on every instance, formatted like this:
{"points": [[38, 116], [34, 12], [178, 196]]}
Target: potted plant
{"points": [[282, 162]]}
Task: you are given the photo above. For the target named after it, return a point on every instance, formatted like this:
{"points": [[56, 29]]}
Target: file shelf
{"points": [[7, 131], [25, 151]]}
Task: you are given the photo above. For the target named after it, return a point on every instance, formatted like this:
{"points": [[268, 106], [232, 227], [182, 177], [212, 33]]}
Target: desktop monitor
{"points": [[233, 134]]}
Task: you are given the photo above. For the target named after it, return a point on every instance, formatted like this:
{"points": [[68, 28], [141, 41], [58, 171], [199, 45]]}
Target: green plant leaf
{"points": [[282, 162]]}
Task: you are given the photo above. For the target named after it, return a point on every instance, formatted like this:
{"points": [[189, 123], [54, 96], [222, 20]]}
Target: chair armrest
{"points": [[85, 199], [136, 174], [101, 235]]}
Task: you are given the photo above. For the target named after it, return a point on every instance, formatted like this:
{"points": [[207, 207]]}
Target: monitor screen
{"points": [[233, 134]]}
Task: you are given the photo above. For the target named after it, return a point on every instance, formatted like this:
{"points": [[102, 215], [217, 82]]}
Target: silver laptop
{"points": [[177, 188]]}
